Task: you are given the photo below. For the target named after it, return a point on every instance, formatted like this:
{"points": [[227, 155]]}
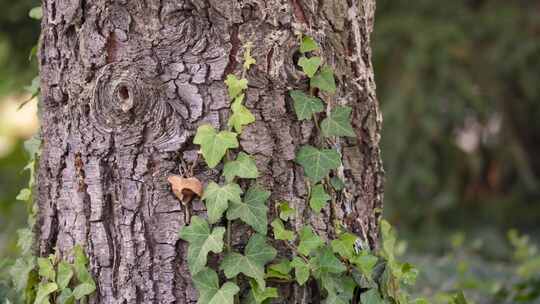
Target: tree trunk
{"points": [[125, 84]]}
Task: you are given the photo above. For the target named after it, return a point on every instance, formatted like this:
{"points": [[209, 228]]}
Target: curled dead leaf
{"points": [[185, 188]]}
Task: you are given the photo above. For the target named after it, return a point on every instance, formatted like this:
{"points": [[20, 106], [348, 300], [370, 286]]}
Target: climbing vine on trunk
{"points": [[346, 269]]}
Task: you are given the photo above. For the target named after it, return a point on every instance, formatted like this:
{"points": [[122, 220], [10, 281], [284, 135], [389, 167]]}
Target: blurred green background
{"points": [[458, 82]]}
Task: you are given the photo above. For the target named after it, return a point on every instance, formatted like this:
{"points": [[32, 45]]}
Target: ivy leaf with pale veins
{"points": [[337, 183], [318, 198], [309, 241], [64, 274], [201, 241], [66, 296], [317, 163], [252, 210], [310, 65], [338, 123], [340, 288], [371, 296], [80, 265], [214, 145], [207, 283], [216, 199], [46, 269], [301, 270], [325, 262], [308, 44], [344, 245], [20, 271], [43, 292], [324, 80], [243, 167], [279, 270], [84, 289], [261, 295], [241, 115], [251, 264], [304, 105], [280, 233], [235, 86], [365, 263]]}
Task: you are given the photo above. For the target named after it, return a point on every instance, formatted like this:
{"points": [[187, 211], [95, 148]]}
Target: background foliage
{"points": [[458, 83]]}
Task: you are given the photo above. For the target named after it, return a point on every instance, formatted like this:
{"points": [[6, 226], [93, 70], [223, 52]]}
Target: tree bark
{"points": [[125, 84]]}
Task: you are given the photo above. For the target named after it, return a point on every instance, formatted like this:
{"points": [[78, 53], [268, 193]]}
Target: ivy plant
{"points": [[345, 268]]}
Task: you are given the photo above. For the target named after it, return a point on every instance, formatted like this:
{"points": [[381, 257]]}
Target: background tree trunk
{"points": [[125, 84]]}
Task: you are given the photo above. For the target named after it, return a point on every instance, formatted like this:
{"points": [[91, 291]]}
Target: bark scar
{"points": [[299, 11]]}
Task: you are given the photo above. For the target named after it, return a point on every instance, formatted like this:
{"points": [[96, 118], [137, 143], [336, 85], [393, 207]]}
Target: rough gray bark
{"points": [[125, 85]]}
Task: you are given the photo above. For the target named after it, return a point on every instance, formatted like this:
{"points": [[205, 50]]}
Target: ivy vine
{"points": [[43, 280], [346, 269]]}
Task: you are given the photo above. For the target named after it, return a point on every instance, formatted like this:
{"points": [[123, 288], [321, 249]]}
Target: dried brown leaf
{"points": [[185, 188]]}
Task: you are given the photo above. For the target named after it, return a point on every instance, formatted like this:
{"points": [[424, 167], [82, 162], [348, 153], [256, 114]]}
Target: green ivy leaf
{"points": [[301, 270], [310, 65], [201, 242], [216, 199], [66, 296], [279, 270], [337, 183], [325, 262], [84, 289], [24, 195], [338, 123], [317, 163], [251, 264], [80, 262], [252, 210], [207, 283], [285, 211], [388, 241], [25, 240], [46, 269], [344, 245], [235, 86], [260, 295], [241, 115], [65, 273], [214, 145], [304, 105], [20, 271], [36, 13], [280, 233], [43, 292], [309, 241], [365, 263], [318, 198], [324, 80], [243, 167], [371, 296], [308, 44], [340, 288]]}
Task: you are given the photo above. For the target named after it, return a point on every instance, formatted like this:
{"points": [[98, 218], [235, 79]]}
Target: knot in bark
{"points": [[122, 99]]}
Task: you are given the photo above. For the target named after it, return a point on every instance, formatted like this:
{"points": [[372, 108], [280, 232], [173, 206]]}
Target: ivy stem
{"points": [[295, 249], [333, 205], [229, 247], [316, 122]]}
